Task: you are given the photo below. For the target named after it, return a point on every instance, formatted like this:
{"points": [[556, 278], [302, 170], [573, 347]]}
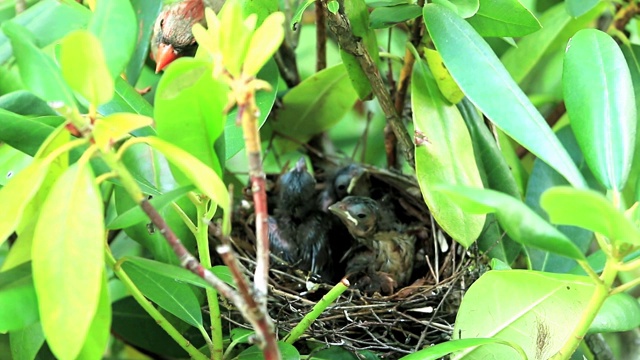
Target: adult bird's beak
{"points": [[165, 55]]}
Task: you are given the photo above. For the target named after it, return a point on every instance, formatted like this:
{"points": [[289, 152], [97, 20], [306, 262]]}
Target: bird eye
{"points": [[361, 215], [161, 23], [342, 187]]}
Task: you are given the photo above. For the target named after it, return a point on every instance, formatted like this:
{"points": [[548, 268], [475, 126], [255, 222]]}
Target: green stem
{"points": [[150, 309], [202, 240], [593, 307], [326, 300]]}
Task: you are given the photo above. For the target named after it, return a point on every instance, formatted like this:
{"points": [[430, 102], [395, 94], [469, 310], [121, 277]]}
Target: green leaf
{"points": [[503, 18], [178, 273], [287, 352], [16, 195], [600, 102], [484, 80], [264, 43], [557, 28], [24, 134], [620, 312], [520, 222], [549, 304], [17, 299], [114, 23], [38, 71], [26, 342], [442, 139], [297, 17], [448, 87], [497, 176], [233, 137], [136, 215], [589, 210], [11, 162], [333, 6], [464, 8], [115, 127], [387, 16], [127, 99], [83, 67], [542, 178], [22, 102], [146, 12], [441, 350], [48, 21], [189, 101], [358, 15], [68, 260], [203, 177], [578, 8], [313, 106], [175, 297], [99, 331]]}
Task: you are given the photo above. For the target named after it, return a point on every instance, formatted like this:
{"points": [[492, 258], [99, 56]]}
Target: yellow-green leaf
{"points": [[84, 67], [68, 260], [264, 43], [115, 127], [448, 87]]}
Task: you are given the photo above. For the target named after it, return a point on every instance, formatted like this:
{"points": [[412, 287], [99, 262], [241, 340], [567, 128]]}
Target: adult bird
{"points": [[298, 230], [172, 37], [386, 262]]}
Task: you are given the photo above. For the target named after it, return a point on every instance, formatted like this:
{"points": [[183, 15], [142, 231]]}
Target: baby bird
{"points": [[387, 261], [348, 180], [298, 231]]}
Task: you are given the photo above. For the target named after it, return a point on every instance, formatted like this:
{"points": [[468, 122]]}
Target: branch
{"points": [[321, 37], [339, 25]]}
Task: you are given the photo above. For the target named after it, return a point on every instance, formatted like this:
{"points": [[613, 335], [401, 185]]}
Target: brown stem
{"points": [[187, 260], [258, 319], [286, 61], [624, 15], [321, 37], [340, 27]]}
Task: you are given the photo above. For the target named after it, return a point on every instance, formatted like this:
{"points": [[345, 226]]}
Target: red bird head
{"points": [[172, 36]]}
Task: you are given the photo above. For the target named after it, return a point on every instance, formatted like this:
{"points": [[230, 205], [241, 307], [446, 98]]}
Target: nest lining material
{"points": [[416, 316]]}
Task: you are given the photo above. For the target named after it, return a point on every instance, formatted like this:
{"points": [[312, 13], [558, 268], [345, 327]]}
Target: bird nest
{"points": [[415, 316]]}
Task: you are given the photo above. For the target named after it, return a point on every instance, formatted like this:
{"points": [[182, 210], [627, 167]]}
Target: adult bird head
{"points": [[172, 36]]}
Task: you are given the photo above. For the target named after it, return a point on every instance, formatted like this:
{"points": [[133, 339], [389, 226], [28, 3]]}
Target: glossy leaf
{"points": [[542, 178], [442, 139], [136, 215], [114, 23], [115, 127], [632, 56], [599, 97], [553, 302], [233, 137], [146, 13], [589, 210], [22, 133], [180, 274], [497, 176], [264, 43], [520, 222], [68, 238], [177, 298], [578, 8], [127, 99], [503, 18], [313, 106], [48, 21], [464, 8], [487, 84], [297, 17], [12, 161], [358, 15], [25, 103], [99, 331], [620, 312], [557, 28], [26, 342], [442, 350], [384, 17], [234, 44], [448, 87], [84, 68], [203, 177], [190, 102], [17, 299], [38, 71], [17, 194]]}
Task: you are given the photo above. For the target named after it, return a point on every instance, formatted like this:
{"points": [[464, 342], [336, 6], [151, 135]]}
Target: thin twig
{"points": [[340, 27], [321, 37]]}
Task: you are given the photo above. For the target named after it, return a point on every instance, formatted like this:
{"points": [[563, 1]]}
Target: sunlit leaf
{"points": [[503, 18], [620, 312]]}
